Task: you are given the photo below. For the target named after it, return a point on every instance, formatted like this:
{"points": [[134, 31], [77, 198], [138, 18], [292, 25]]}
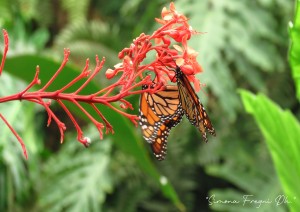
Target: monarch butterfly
{"points": [[191, 105], [159, 113]]}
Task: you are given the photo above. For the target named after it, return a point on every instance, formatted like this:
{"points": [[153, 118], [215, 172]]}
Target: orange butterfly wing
{"points": [[159, 113], [192, 107], [159, 145]]}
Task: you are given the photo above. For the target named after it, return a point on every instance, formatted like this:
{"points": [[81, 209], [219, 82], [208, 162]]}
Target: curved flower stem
{"points": [[63, 64], [108, 126], [6, 44], [16, 135], [98, 125], [132, 118]]}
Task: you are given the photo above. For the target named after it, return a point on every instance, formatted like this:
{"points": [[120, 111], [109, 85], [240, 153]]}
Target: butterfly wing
{"points": [[159, 146], [159, 113], [205, 119], [165, 103], [192, 107]]}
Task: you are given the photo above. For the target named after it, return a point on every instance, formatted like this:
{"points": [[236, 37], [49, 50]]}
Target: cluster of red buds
{"points": [[169, 43]]}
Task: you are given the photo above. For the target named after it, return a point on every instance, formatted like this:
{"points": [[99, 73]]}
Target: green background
{"points": [[250, 57]]}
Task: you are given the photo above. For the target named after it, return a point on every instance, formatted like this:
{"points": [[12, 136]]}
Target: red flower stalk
{"points": [[174, 30]]}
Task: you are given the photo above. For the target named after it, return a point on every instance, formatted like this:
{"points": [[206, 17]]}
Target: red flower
{"points": [[174, 30]]}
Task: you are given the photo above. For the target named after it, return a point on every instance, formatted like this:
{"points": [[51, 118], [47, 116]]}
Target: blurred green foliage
{"points": [[280, 128], [294, 52], [245, 45]]}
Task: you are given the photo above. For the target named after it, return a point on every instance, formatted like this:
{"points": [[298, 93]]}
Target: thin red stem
{"points": [[83, 74], [127, 104], [16, 135], [95, 72], [108, 126], [33, 82], [6, 44], [109, 88], [77, 127], [87, 63], [61, 125], [132, 118], [63, 64], [98, 125]]}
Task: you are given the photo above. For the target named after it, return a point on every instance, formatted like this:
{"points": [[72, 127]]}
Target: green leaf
{"points": [[77, 180], [282, 133], [294, 53], [124, 137]]}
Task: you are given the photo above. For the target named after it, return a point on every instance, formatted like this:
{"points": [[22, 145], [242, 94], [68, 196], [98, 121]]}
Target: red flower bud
{"points": [[110, 73]]}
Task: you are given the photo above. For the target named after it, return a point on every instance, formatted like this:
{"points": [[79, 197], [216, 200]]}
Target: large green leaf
{"points": [[282, 133], [124, 137], [294, 54]]}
